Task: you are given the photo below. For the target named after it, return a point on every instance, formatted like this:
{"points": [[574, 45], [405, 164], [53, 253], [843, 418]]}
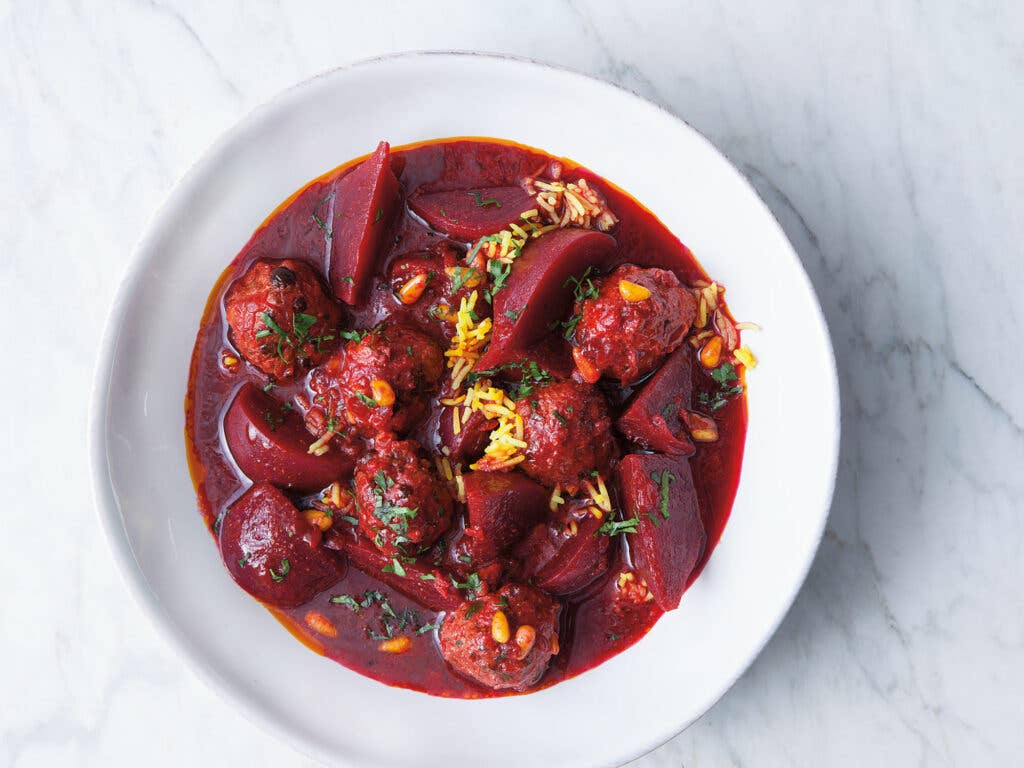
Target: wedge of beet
{"points": [[537, 298], [580, 559], [670, 537], [269, 443], [503, 506], [363, 204], [423, 583], [272, 552], [651, 419], [474, 434], [468, 214]]}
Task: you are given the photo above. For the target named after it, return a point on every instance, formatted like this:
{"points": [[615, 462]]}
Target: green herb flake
{"points": [[474, 608], [663, 479], [379, 215], [428, 577], [560, 418], [512, 315], [617, 527], [279, 575], [348, 519], [395, 567], [348, 600], [366, 400], [481, 203]]}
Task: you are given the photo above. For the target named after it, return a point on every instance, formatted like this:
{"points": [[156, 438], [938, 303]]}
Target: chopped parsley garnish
{"points": [[663, 479], [474, 608], [378, 216], [461, 276], [347, 279], [616, 527], [301, 324], [481, 203], [396, 517], [428, 577], [269, 386], [471, 584], [531, 375], [561, 419], [323, 226], [724, 375], [366, 400], [583, 286], [279, 574], [243, 560], [512, 314], [348, 600], [348, 519], [273, 421], [395, 567], [354, 335], [428, 628], [498, 272]]}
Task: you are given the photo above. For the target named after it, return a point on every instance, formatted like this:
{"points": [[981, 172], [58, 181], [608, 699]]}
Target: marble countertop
{"points": [[885, 136]]}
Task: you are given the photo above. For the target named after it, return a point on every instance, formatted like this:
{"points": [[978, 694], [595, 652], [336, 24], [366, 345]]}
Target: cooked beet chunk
{"points": [[280, 317], [272, 552], [270, 444], [502, 506], [537, 295], [363, 202], [670, 538], [468, 214], [568, 433], [629, 321], [652, 418], [379, 383], [401, 504], [510, 652], [565, 554]]}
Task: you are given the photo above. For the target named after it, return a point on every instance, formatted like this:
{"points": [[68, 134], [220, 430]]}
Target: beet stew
{"points": [[466, 417]]}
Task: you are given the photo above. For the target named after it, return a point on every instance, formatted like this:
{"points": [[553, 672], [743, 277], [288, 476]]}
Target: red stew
{"points": [[465, 417]]}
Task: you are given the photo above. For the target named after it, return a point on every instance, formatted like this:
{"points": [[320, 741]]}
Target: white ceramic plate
{"points": [[629, 704]]}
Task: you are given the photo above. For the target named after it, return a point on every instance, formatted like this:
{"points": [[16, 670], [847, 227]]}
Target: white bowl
{"points": [[146, 502]]}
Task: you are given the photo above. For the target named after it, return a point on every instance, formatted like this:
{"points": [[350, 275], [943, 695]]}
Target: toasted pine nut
{"points": [[703, 429], [572, 528], [395, 645], [526, 636], [318, 518], [554, 645], [711, 352], [624, 577], [413, 288], [382, 392], [587, 370], [633, 291], [499, 627], [320, 624], [229, 361]]}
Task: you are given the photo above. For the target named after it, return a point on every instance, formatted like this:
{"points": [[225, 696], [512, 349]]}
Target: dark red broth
{"points": [[592, 626]]}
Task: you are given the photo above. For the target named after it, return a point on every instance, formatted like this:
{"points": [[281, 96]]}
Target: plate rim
{"points": [[103, 495]]}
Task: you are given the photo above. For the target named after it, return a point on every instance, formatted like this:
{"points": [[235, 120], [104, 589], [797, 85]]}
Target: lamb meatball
{"points": [[281, 317], [401, 504], [509, 652], [568, 433], [637, 317], [377, 383]]}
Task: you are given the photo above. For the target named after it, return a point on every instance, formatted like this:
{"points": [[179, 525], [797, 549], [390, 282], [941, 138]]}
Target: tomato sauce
{"points": [[593, 625]]}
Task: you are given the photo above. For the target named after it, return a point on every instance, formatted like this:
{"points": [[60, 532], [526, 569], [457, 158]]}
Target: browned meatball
{"points": [[378, 383], [568, 433], [636, 318], [511, 651], [401, 504], [281, 317]]}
